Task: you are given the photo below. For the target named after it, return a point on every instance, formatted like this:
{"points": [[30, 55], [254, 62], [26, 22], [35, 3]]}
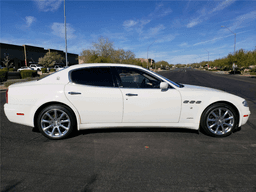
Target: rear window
{"points": [[95, 76]]}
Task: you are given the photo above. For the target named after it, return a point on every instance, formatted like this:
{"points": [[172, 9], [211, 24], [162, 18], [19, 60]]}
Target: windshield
{"points": [[174, 83]]}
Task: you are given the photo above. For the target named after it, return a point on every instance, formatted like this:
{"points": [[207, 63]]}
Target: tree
{"points": [[50, 58], [6, 62], [162, 64], [86, 55], [104, 47], [103, 51]]}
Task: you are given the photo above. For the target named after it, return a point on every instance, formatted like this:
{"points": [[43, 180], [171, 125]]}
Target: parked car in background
{"points": [[36, 67], [87, 96], [24, 68], [58, 67]]}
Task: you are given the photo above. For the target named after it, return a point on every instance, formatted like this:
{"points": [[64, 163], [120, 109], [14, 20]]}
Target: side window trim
{"points": [[116, 77]]}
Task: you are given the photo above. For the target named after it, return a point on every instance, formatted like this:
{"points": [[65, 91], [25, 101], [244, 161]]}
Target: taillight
{"points": [[6, 95]]}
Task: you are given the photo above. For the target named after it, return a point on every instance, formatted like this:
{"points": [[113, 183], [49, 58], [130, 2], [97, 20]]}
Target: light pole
{"points": [[66, 53], [147, 52], [208, 57], [234, 38]]}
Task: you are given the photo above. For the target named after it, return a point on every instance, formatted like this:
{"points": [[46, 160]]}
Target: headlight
{"points": [[245, 103]]}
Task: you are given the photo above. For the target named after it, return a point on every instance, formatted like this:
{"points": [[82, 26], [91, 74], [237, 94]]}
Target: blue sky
{"points": [[174, 31]]}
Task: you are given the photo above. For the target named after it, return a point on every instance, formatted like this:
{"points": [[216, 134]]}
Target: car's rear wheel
{"points": [[56, 122], [219, 120]]}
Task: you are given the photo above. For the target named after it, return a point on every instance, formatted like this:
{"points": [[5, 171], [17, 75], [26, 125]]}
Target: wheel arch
{"points": [[223, 102], [56, 103]]}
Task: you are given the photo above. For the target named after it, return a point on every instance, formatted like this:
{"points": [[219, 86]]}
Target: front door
{"points": [[144, 101]]}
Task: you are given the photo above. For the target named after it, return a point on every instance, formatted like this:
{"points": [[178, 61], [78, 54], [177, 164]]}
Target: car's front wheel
{"points": [[56, 122], [219, 120]]}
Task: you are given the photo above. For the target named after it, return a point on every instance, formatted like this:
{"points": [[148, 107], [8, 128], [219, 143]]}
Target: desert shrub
{"points": [[28, 73], [235, 72], [3, 75]]}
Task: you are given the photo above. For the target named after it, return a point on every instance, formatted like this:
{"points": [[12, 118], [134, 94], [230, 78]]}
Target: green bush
{"points": [[253, 69], [252, 73], [11, 69], [226, 68], [5, 69], [28, 73], [3, 75], [44, 70], [52, 70]]}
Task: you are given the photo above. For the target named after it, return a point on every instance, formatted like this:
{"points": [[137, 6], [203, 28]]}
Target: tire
{"points": [[219, 120], [56, 122]]}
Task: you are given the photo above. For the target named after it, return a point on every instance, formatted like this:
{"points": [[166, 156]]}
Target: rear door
{"points": [[93, 93]]}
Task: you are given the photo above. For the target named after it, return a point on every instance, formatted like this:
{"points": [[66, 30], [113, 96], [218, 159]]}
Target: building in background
{"points": [[25, 54]]}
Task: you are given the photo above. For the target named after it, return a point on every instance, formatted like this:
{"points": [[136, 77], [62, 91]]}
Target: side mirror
{"points": [[164, 86]]}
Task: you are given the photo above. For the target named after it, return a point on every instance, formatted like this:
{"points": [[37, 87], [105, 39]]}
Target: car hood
{"points": [[199, 88]]}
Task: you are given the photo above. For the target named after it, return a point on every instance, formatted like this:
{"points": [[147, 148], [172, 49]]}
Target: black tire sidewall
{"points": [[206, 113], [67, 111]]}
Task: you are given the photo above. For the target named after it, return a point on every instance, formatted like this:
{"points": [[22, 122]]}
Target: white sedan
{"points": [[89, 96], [24, 68]]}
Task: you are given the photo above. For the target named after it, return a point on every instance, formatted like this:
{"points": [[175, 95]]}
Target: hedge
{"points": [[52, 70], [44, 70], [28, 73], [3, 75]]}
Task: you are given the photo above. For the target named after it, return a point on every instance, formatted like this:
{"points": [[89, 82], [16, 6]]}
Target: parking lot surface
{"points": [[153, 159]]}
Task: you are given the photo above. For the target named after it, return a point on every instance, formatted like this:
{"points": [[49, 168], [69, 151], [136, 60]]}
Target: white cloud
{"points": [[160, 11], [222, 5], [166, 38], [243, 19], [153, 31], [205, 14], [183, 45], [48, 5], [129, 23], [30, 20], [59, 30], [193, 23], [211, 40]]}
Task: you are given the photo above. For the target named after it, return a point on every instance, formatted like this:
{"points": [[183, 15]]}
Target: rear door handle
{"points": [[131, 94], [74, 93]]}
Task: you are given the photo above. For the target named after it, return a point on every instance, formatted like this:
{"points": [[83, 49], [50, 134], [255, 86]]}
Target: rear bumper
{"points": [[19, 114]]}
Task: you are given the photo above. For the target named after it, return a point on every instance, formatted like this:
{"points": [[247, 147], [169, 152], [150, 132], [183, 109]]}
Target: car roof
{"points": [[103, 65], [62, 77]]}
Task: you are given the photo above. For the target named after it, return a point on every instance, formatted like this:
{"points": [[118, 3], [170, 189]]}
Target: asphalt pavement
{"points": [[147, 160]]}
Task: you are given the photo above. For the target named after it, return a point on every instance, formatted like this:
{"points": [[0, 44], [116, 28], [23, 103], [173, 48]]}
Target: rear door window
{"points": [[94, 76]]}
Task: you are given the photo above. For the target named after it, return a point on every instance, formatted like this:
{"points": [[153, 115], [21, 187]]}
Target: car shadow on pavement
{"points": [[131, 129]]}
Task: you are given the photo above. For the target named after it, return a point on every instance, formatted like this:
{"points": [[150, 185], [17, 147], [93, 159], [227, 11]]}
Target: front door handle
{"points": [[74, 93], [131, 94]]}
